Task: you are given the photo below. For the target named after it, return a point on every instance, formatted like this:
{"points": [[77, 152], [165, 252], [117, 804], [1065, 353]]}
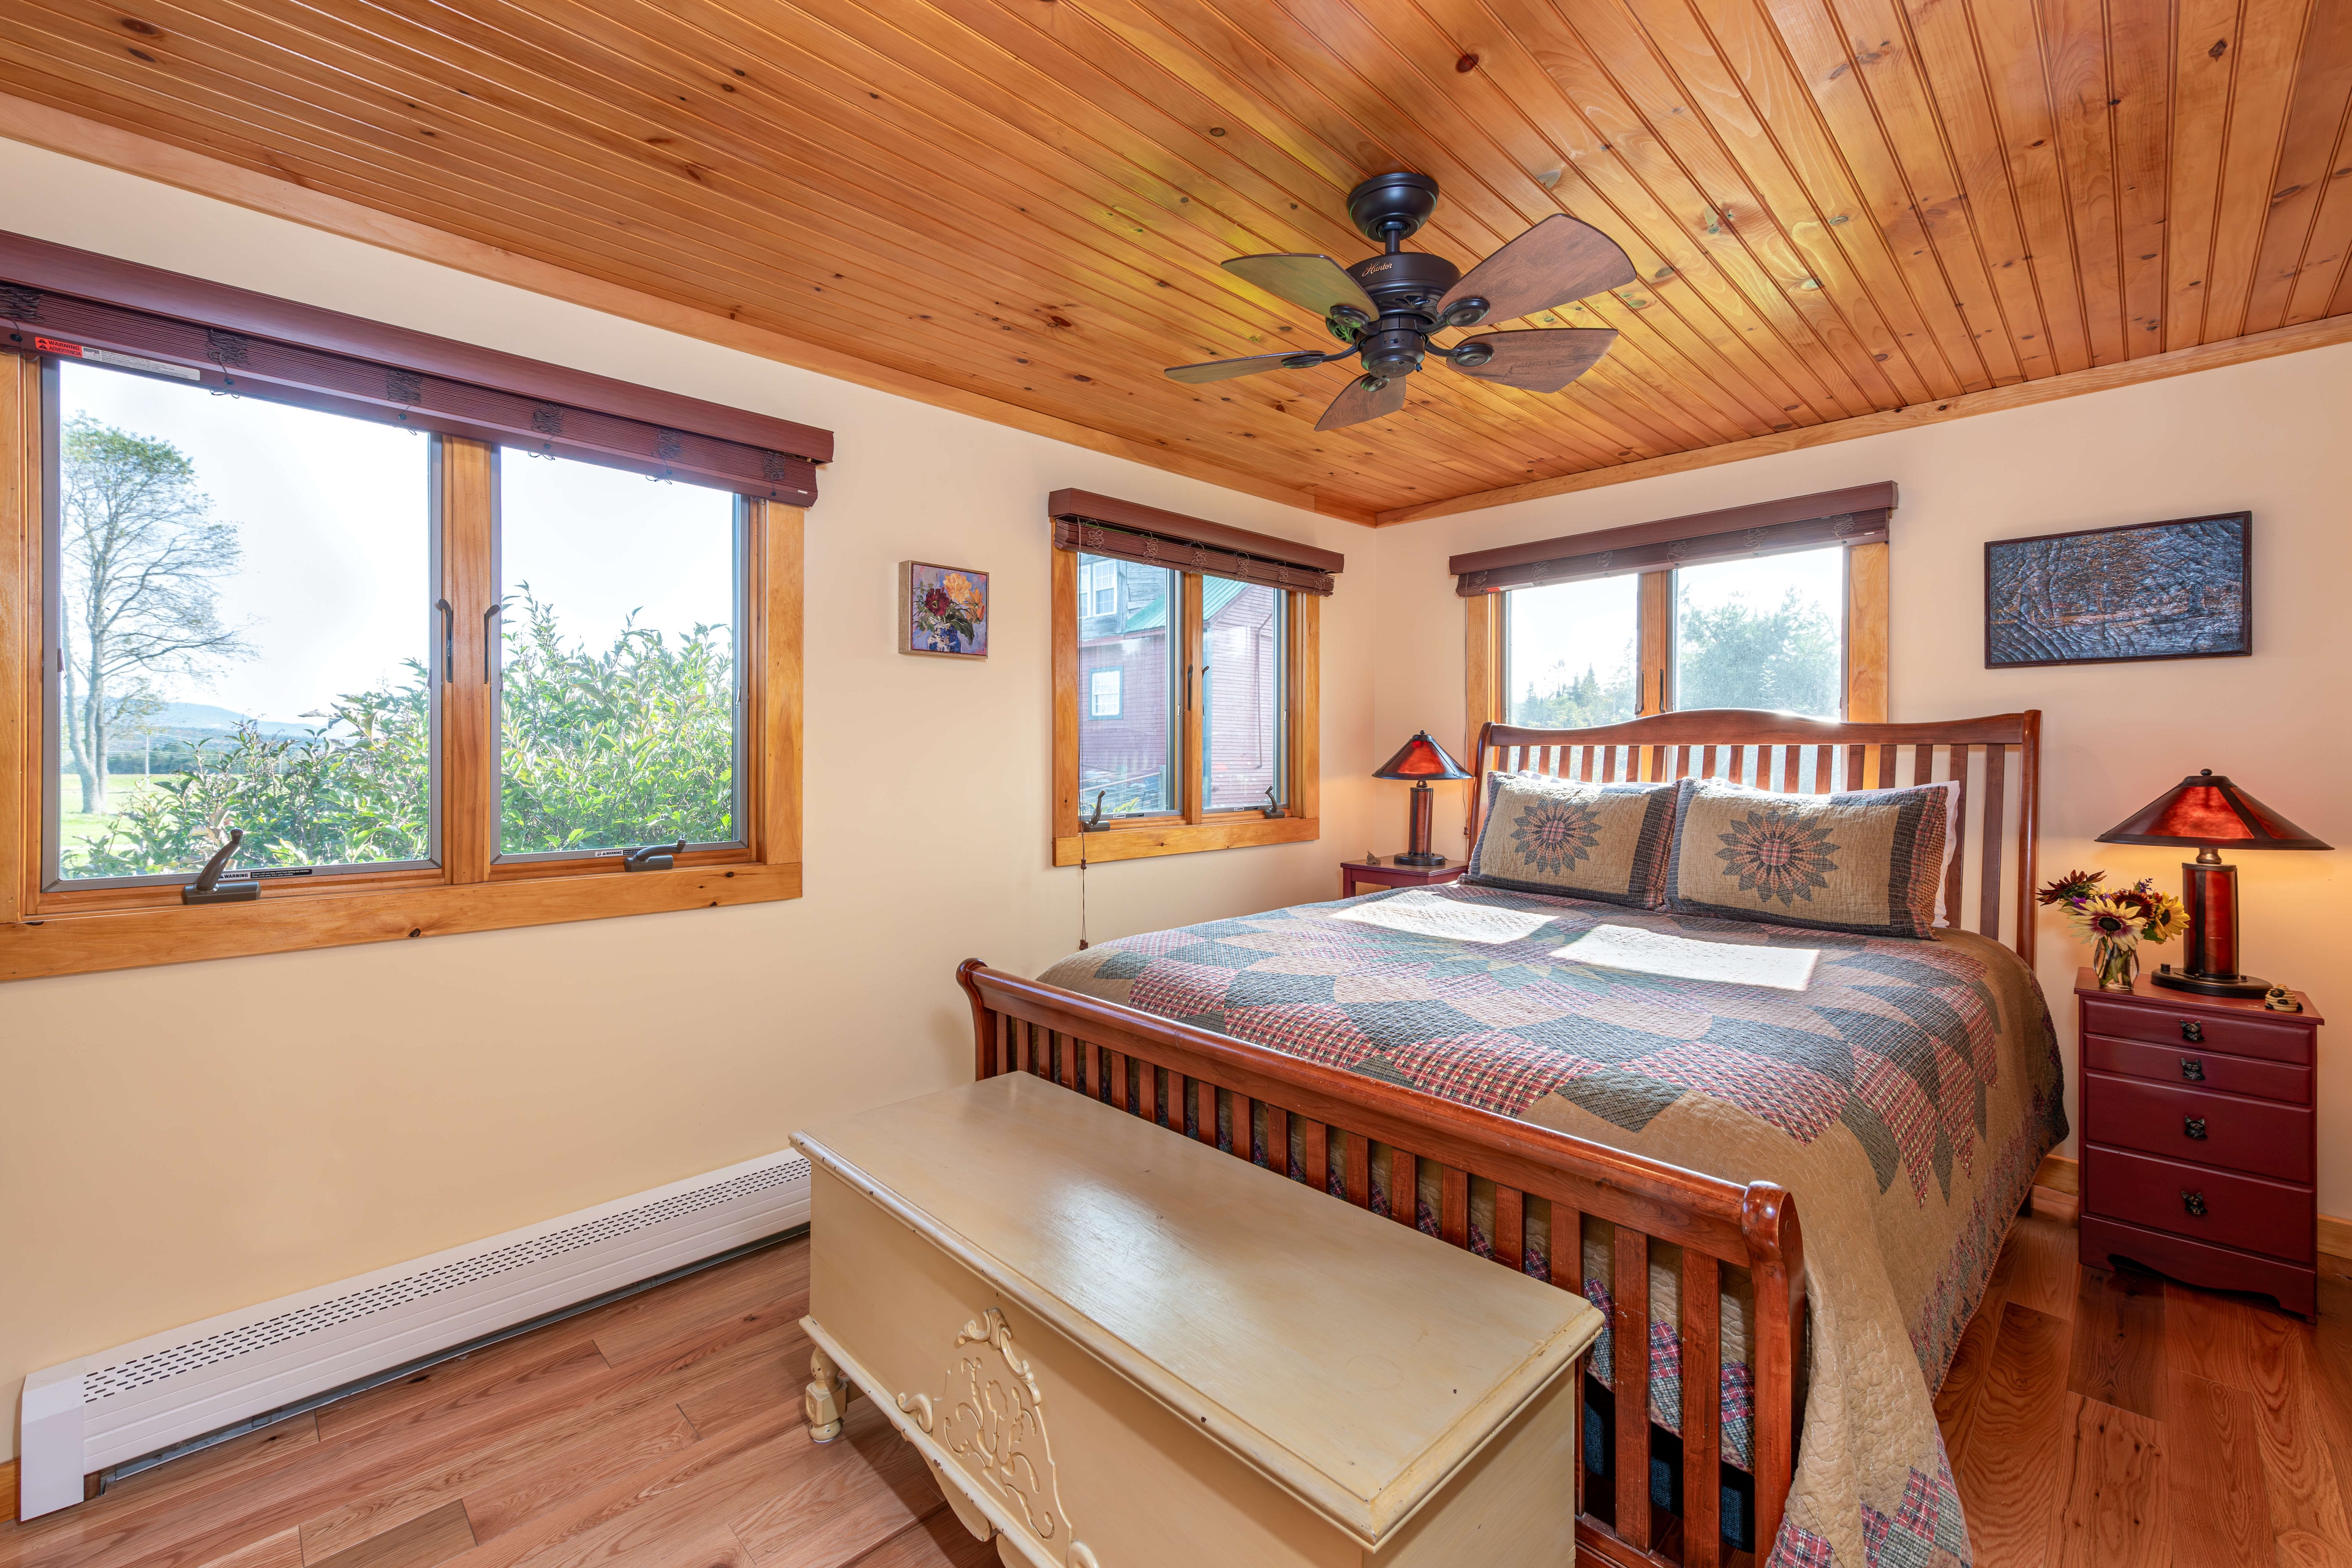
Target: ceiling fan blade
{"points": [[1558, 260], [1316, 282], [1226, 369], [1544, 359], [1366, 397]]}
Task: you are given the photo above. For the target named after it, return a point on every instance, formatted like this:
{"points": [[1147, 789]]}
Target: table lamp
{"points": [[2213, 814], [1421, 760]]}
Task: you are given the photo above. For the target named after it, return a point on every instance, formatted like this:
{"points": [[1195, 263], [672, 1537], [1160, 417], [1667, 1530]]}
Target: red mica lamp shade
{"points": [[2210, 810], [1421, 760], [2213, 814]]}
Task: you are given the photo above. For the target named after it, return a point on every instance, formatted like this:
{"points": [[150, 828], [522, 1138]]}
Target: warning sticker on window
{"points": [[107, 356]]}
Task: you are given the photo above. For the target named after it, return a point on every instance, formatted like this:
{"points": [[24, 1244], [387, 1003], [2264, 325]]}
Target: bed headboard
{"points": [[1997, 762]]}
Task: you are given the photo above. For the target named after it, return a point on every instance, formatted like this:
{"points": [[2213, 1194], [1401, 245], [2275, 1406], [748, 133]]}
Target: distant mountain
{"points": [[208, 716]]}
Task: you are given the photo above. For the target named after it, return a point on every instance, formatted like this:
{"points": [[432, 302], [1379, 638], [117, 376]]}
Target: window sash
{"points": [[739, 799], [51, 748], [1188, 827]]}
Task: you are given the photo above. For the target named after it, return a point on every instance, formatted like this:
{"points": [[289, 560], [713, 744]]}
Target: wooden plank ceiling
{"points": [[1836, 207]]}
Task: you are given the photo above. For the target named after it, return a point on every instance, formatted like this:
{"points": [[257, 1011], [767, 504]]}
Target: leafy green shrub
{"points": [[633, 745]]}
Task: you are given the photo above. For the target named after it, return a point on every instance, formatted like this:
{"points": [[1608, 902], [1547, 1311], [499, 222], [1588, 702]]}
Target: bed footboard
{"points": [[1223, 1091]]}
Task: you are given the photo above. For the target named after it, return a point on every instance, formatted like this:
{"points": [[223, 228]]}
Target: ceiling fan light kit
{"points": [[1385, 308]]}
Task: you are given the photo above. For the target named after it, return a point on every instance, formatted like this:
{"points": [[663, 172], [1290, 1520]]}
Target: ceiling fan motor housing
{"points": [[1407, 286]]}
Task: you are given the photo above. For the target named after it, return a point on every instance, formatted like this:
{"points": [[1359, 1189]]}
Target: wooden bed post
{"points": [[984, 1020], [1776, 1256]]}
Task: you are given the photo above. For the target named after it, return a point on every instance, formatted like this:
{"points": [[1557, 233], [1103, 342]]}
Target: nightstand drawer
{"points": [[2245, 1212], [2212, 1128], [2189, 1064], [2199, 1026]]}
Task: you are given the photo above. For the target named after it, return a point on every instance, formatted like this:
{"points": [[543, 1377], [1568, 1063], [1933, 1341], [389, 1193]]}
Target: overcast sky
{"points": [[334, 589]]}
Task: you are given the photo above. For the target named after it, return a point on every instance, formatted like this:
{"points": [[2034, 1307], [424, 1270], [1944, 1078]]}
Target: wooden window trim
{"points": [[1867, 639], [80, 930], [1192, 830]]}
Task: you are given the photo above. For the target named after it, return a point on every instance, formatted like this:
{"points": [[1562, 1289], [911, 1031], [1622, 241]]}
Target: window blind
{"points": [[72, 304], [1102, 525], [1857, 515]]}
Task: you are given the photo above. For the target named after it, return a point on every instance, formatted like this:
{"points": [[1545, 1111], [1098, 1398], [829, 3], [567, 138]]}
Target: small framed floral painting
{"points": [[942, 610]]}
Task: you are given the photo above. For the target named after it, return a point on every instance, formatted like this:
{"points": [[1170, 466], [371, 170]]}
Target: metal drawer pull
{"points": [[2193, 1069], [2193, 1125], [2194, 1202], [2192, 1031]]}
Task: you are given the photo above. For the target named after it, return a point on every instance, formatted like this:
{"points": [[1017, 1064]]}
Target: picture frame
{"points": [[943, 611], [2177, 589]]}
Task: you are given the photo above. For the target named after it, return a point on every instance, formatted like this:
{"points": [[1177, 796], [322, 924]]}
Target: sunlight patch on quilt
{"points": [[1422, 912], [1679, 958]]}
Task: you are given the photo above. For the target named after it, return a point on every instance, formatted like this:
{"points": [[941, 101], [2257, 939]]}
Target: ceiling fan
{"points": [[1384, 310]]}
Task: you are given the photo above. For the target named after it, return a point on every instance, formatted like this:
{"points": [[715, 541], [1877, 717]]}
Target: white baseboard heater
{"points": [[161, 1393]]}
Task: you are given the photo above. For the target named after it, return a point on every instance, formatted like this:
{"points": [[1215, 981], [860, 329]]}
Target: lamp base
{"points": [[2244, 985], [1410, 858]]}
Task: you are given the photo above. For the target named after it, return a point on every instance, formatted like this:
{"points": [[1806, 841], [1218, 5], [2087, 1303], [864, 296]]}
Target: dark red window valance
{"points": [[57, 300], [1857, 515], [1105, 525]]}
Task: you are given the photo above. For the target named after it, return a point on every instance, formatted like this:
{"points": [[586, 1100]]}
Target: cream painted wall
{"points": [[183, 1141], [2268, 437]]}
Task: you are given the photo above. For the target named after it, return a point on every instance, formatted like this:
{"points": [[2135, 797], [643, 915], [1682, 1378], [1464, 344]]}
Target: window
{"points": [[1184, 700], [1768, 632], [238, 607], [1242, 658], [619, 688], [414, 667], [1569, 652], [1105, 689], [1098, 583], [1782, 606]]}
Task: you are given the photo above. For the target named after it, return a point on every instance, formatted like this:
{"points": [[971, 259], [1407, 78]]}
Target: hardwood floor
{"points": [[2120, 1420], [2092, 1418]]}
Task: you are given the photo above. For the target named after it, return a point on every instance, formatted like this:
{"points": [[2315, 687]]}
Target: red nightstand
{"points": [[2200, 1139], [1389, 874]]}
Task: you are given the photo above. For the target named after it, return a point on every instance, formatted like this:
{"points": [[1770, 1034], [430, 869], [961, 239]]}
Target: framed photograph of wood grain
{"points": [[2182, 589], [942, 610]]}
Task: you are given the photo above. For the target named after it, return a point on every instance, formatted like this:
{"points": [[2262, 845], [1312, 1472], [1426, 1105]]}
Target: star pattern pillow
{"points": [[1572, 840], [1865, 864]]}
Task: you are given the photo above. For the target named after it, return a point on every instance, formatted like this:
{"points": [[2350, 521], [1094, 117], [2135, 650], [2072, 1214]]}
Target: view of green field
{"points": [[76, 826]]}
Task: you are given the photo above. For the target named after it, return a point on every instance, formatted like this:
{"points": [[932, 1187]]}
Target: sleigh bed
{"points": [[1698, 1402]]}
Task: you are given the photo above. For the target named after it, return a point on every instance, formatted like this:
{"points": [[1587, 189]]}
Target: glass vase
{"points": [[2115, 963]]}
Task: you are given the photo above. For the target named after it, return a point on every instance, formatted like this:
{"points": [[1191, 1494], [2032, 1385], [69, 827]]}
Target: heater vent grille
{"points": [[175, 1359]]}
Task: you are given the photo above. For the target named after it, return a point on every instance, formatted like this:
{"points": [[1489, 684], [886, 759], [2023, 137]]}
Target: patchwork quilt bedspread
{"points": [[1906, 1092]]}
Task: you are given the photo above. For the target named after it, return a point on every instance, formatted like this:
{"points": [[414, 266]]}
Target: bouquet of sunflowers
{"points": [[2115, 922]]}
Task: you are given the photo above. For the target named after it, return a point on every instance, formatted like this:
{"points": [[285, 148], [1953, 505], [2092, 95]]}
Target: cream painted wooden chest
{"points": [[1118, 1348]]}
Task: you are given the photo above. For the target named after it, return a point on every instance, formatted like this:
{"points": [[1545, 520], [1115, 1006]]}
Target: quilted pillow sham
{"points": [[1572, 840], [1866, 863]]}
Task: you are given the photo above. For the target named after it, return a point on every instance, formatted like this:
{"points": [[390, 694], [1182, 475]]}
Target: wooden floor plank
{"points": [[824, 1513], [283, 1550], [2307, 1496], [2117, 1510], [2220, 1511], [939, 1542], [769, 1443], [2041, 1271], [1956, 1402], [749, 1288], [421, 1542], [2010, 1481], [576, 1470], [2118, 1354], [2209, 1336]]}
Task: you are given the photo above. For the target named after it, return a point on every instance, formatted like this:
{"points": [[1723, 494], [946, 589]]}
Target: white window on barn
{"points": [[1106, 694]]}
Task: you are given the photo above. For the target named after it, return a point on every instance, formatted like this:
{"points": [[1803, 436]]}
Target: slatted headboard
{"points": [[1997, 762]]}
